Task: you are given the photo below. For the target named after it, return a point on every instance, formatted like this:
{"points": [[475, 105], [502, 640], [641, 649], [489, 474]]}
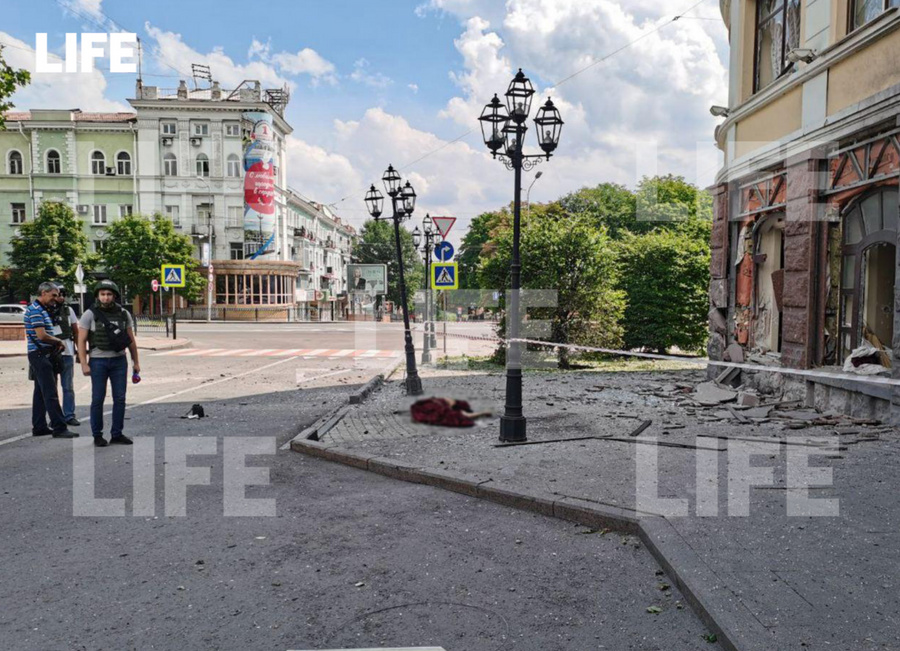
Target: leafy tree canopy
{"points": [[47, 248]]}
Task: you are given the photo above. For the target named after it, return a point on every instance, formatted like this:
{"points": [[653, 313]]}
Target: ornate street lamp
{"points": [[424, 241], [403, 203], [503, 129]]}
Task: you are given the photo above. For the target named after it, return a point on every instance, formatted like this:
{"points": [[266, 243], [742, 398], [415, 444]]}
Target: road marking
{"points": [[204, 351], [278, 352], [228, 353]]}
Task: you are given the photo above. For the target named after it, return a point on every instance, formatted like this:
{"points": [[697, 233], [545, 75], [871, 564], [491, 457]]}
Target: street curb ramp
{"points": [[718, 607]]}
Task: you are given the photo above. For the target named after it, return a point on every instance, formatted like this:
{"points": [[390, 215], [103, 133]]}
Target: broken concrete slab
{"points": [[734, 353], [757, 412], [708, 394], [747, 399]]}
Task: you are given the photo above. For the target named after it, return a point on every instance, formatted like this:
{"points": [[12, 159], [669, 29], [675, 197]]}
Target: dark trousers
{"points": [[115, 371], [45, 400]]}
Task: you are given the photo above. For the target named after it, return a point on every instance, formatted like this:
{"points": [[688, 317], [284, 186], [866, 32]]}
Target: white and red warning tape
{"points": [[883, 381]]}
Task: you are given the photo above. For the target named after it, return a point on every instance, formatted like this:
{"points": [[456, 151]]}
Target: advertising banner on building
{"points": [[369, 279], [259, 185]]}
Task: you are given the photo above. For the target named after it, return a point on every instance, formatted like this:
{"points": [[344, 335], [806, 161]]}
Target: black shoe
{"points": [[100, 442], [46, 432], [121, 439], [74, 422], [65, 434]]}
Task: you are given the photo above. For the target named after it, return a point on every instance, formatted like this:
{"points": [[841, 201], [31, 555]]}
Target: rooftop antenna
{"points": [[202, 72]]}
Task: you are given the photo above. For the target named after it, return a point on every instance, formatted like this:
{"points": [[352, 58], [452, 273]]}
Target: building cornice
{"points": [[225, 106], [881, 109]]}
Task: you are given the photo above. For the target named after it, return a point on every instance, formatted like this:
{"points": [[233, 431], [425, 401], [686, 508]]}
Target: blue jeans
{"points": [[66, 379], [114, 370], [45, 399]]}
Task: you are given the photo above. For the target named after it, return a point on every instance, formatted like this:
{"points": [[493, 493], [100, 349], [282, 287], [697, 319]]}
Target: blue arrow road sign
{"points": [[443, 251]]}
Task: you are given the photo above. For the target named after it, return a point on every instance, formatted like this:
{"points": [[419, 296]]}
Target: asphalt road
{"points": [[347, 559]]}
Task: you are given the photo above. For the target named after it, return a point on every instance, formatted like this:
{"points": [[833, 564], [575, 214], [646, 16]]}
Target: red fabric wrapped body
{"points": [[437, 411]]}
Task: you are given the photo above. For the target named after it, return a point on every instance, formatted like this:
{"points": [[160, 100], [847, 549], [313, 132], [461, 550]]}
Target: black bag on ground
{"points": [[118, 338]]}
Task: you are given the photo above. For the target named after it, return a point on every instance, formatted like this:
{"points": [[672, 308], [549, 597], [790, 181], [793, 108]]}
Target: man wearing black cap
{"points": [[109, 329]]}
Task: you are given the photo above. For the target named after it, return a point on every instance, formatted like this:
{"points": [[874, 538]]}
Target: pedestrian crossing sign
{"points": [[172, 275], [444, 276]]}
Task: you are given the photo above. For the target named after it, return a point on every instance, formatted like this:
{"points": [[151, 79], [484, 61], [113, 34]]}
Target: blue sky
{"points": [[393, 80]]}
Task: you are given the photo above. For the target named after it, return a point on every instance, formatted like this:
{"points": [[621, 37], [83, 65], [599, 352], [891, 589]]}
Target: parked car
{"points": [[12, 313]]}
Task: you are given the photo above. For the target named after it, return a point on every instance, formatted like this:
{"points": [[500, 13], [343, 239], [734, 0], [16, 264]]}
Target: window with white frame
{"points": [[15, 163], [170, 165], [235, 217], [54, 165], [236, 250], [99, 214], [126, 209], [123, 163], [18, 213], [202, 165], [99, 246], [233, 129], [201, 128], [173, 215], [98, 163], [168, 128], [234, 166]]}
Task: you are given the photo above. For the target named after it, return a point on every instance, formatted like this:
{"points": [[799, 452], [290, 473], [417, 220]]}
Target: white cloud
{"points": [[654, 93], [413, 87], [362, 75], [92, 8], [649, 100], [306, 62], [84, 90], [270, 69]]}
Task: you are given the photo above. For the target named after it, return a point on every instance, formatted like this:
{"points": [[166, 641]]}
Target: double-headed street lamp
{"points": [[503, 128], [403, 203], [426, 242]]}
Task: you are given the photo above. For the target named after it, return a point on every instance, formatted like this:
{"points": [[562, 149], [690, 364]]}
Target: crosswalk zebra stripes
{"points": [[276, 352]]}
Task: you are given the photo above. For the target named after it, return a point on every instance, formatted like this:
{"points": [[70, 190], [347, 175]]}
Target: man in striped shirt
{"points": [[41, 345]]}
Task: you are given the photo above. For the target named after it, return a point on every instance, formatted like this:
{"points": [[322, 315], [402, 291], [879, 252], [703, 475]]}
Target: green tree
{"points": [[665, 274], [48, 248], [576, 259], [472, 246], [673, 203], [10, 80], [136, 248], [376, 245], [608, 205]]}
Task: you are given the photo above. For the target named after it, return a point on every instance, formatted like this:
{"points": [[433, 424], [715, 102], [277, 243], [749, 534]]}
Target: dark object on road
{"points": [[446, 412], [196, 411], [640, 428]]}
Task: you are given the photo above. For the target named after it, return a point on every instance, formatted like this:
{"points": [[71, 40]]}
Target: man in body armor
{"points": [[109, 329], [65, 328]]}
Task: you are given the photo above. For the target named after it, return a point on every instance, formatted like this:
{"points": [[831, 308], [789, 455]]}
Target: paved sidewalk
{"points": [[18, 348], [765, 581]]}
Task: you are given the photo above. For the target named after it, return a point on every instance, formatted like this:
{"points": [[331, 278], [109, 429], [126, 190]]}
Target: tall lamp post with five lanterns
{"points": [[504, 128], [403, 203]]}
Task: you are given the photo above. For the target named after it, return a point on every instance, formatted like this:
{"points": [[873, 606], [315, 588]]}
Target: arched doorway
{"points": [[869, 269]]}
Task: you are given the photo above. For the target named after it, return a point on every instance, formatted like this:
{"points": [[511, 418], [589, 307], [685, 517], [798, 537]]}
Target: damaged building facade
{"points": [[804, 266]]}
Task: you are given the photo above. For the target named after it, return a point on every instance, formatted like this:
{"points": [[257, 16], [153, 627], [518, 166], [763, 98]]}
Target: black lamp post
{"points": [[425, 240], [503, 129], [403, 203]]}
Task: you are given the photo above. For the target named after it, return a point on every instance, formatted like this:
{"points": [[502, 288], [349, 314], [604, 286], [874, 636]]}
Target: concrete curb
{"points": [[717, 606], [359, 396], [187, 343]]}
